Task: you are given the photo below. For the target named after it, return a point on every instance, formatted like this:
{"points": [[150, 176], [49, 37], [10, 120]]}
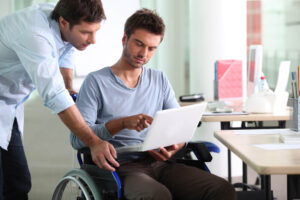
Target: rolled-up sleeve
{"points": [[60, 102], [37, 53]]}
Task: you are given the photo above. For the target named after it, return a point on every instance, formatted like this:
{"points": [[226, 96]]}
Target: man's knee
{"points": [[154, 193], [27, 184], [162, 193], [17, 186], [19, 191], [223, 190]]}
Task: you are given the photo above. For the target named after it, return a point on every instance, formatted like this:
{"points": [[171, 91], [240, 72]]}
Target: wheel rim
{"points": [[72, 188]]}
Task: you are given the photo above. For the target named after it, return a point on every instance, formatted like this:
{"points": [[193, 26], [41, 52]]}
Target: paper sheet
{"points": [[278, 146], [283, 76], [224, 113], [262, 131]]}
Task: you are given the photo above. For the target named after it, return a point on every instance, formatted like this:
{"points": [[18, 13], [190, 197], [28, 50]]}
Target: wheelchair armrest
{"points": [[200, 150], [86, 156], [84, 150]]}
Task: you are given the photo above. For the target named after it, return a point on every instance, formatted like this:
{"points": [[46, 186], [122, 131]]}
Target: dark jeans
{"points": [[15, 180]]}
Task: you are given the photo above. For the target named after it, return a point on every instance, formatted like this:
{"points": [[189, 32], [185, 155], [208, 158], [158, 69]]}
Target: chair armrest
{"points": [[84, 150], [86, 156], [200, 150]]}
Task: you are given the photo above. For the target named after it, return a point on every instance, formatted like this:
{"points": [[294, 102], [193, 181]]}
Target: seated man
{"points": [[118, 103]]}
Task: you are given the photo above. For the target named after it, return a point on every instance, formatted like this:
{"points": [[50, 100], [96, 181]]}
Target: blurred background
{"points": [[198, 33]]}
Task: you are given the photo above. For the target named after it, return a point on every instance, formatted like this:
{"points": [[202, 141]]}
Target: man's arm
{"points": [[67, 74], [136, 122], [101, 151]]}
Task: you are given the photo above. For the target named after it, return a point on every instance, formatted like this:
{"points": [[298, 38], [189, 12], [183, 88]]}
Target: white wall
{"points": [[108, 47]]}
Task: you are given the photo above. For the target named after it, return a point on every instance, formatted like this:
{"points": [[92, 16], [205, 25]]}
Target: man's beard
{"points": [[129, 59]]}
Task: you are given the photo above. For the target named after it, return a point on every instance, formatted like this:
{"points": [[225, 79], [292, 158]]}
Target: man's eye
{"points": [[84, 33]]}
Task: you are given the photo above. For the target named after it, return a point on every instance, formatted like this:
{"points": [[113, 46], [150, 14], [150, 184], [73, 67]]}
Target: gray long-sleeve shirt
{"points": [[104, 96]]}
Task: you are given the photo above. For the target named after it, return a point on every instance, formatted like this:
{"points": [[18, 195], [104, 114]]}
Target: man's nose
{"points": [[143, 52], [92, 39]]}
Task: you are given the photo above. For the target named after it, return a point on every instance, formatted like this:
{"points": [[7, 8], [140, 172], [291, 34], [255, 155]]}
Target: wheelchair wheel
{"points": [[76, 185]]}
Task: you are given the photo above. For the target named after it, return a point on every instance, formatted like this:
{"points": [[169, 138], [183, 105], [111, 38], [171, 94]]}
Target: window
{"points": [[108, 48], [275, 25]]}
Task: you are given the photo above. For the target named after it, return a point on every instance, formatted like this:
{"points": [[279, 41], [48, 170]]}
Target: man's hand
{"points": [[137, 122], [166, 153], [104, 155], [72, 91], [102, 152]]}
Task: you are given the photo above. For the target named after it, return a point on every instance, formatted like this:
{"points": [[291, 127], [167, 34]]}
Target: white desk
{"points": [[282, 117], [259, 119], [264, 162], [249, 117]]}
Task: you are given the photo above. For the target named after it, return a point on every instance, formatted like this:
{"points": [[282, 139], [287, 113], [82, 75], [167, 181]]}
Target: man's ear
{"points": [[63, 23], [124, 38]]}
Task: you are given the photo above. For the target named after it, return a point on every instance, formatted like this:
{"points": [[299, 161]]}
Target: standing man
{"points": [[118, 103], [34, 43]]}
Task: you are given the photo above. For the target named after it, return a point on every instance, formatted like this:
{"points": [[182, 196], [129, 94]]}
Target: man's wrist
{"points": [[93, 141], [123, 123]]}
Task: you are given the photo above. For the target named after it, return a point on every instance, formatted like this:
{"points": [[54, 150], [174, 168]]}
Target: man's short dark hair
{"points": [[75, 11], [145, 19]]}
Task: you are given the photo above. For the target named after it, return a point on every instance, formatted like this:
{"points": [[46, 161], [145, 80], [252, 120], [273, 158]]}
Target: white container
{"points": [[267, 102]]}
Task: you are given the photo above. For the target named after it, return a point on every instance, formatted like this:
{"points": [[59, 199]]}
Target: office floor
{"points": [[50, 155]]}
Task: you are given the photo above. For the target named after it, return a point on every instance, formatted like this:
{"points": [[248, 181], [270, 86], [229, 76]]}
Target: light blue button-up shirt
{"points": [[31, 51]]}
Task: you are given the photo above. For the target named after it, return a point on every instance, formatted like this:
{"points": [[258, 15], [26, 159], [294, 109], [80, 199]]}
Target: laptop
{"points": [[171, 126]]}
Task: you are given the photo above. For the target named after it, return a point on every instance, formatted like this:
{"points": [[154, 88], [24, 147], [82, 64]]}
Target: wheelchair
{"points": [[92, 183]]}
